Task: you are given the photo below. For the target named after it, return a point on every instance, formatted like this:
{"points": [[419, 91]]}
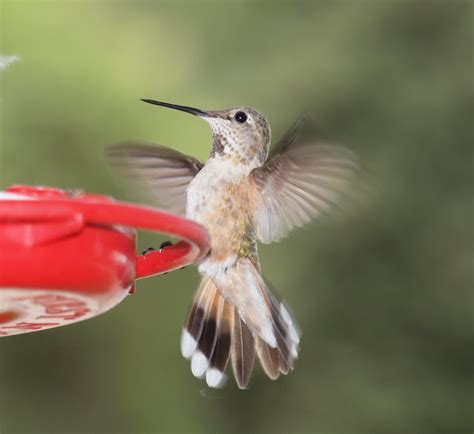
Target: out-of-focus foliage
{"points": [[383, 295]]}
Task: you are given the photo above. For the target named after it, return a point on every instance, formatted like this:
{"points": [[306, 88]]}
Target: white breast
{"points": [[204, 192]]}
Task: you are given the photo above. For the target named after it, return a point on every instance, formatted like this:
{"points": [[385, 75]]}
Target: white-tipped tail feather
{"points": [[188, 344], [214, 377], [268, 334], [220, 328], [207, 335], [293, 330], [199, 364]]}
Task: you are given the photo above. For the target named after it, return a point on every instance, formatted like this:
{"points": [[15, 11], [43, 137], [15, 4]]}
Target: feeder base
{"points": [[29, 310]]}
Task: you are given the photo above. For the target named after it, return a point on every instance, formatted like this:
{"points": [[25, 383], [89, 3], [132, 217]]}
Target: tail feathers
{"points": [[217, 330], [276, 359], [279, 360], [215, 375], [243, 352], [270, 359], [206, 339]]}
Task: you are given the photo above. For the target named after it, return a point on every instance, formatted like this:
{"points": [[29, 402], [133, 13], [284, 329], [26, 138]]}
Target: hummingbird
{"points": [[241, 196]]}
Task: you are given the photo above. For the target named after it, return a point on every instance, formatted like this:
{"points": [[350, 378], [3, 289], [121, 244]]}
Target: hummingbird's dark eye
{"points": [[240, 117]]}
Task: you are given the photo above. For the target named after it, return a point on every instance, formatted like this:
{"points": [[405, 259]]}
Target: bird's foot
{"points": [[165, 244]]}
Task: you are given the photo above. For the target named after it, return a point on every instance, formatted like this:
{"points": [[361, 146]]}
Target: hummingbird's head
{"points": [[241, 134]]}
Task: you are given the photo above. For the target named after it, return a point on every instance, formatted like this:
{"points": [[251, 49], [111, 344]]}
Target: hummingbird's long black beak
{"points": [[183, 108]]}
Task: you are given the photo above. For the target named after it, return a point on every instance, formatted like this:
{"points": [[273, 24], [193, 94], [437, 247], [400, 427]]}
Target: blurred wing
{"points": [[302, 180], [163, 172]]}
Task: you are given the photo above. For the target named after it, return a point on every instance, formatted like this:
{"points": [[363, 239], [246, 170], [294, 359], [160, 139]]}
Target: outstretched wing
{"points": [[303, 179], [163, 172]]}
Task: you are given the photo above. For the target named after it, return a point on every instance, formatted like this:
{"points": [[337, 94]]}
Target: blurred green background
{"points": [[383, 295]]}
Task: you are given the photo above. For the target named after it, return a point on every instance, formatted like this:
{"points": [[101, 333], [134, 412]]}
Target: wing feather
{"points": [[303, 179], [164, 173]]}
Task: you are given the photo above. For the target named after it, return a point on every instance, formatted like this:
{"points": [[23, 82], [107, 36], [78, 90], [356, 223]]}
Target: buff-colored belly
{"points": [[224, 209]]}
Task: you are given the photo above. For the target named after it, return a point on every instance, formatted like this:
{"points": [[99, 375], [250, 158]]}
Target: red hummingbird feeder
{"points": [[66, 257]]}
